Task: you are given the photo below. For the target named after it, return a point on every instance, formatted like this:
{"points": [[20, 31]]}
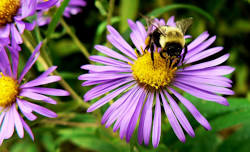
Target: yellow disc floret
{"points": [[153, 75], [9, 90], [8, 9]]}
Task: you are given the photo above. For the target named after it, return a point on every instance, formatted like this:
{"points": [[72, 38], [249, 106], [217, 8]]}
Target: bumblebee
{"points": [[169, 39]]}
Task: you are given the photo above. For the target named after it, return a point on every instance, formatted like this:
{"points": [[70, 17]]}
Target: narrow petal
{"points": [[204, 54], [199, 48], [214, 71], [30, 62], [111, 53], [208, 63], [47, 91], [5, 31], [15, 35], [205, 87], [202, 94], [192, 109], [171, 22], [180, 115], [104, 76], [198, 40], [104, 88], [27, 128], [100, 68], [5, 63], [41, 110], [37, 96], [108, 61], [172, 120], [41, 81], [108, 97], [134, 119], [47, 72], [156, 133], [18, 123]]}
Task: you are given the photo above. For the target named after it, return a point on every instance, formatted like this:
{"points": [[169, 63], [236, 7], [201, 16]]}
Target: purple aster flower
{"points": [[14, 94], [139, 89], [12, 16], [73, 8]]}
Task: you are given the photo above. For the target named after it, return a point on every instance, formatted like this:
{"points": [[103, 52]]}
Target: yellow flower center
{"points": [[8, 9], [9, 90], [153, 76]]}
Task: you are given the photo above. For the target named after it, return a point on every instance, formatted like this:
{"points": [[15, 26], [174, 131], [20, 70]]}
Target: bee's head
{"points": [[173, 48]]}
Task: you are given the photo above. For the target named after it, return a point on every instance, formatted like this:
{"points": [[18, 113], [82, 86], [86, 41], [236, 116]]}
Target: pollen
{"points": [[9, 90], [8, 9], [153, 75]]}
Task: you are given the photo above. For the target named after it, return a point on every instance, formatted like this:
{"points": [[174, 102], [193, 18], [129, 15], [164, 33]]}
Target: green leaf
{"points": [[160, 11], [56, 17], [128, 10]]}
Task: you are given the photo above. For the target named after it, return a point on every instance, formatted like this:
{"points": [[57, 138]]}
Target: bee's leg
{"points": [[162, 55], [184, 54], [152, 52]]}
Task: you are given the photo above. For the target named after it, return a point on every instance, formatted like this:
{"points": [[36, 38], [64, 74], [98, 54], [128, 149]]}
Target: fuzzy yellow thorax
{"points": [[9, 90], [153, 75], [8, 9]]}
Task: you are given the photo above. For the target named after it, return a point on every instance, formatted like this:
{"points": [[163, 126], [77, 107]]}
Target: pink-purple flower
{"points": [[15, 94], [13, 18], [74, 7], [140, 88]]}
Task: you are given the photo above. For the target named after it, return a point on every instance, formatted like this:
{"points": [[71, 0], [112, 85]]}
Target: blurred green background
{"points": [[77, 131]]}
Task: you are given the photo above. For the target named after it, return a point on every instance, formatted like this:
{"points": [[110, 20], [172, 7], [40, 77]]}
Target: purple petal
{"points": [[117, 103], [125, 118], [21, 26], [119, 112], [198, 40], [172, 120], [115, 38], [41, 110], [36, 96], [28, 8], [41, 81], [108, 61], [22, 106], [47, 72], [180, 115], [191, 108], [104, 76], [15, 35], [5, 31], [208, 64], [171, 22], [215, 71], [199, 48], [8, 125], [18, 123], [104, 88], [5, 63], [30, 26], [47, 91], [202, 94], [111, 53], [30, 62], [134, 119], [205, 87], [46, 4], [214, 82], [156, 134], [204, 54], [108, 97], [100, 68], [27, 128]]}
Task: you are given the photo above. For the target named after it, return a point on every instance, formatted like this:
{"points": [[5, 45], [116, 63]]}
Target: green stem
{"points": [[75, 39], [63, 83]]}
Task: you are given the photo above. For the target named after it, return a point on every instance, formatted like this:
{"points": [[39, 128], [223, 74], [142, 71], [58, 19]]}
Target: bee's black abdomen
{"points": [[173, 49]]}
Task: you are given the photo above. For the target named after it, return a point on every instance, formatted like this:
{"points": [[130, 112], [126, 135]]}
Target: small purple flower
{"points": [[12, 16], [14, 94], [140, 89], [73, 8]]}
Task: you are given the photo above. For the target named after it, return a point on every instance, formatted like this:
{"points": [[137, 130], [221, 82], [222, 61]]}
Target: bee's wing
{"points": [[184, 24]]}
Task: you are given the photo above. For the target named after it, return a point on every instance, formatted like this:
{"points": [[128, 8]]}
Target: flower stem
{"points": [[63, 83], [75, 39]]}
